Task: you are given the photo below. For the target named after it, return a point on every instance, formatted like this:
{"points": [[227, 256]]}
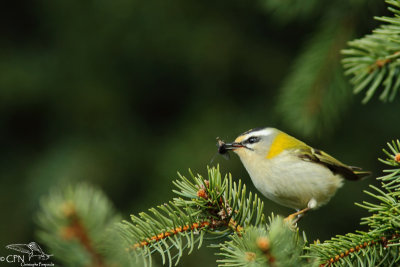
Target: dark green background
{"points": [[123, 94]]}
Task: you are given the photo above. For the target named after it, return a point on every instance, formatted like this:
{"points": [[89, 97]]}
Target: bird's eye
{"points": [[253, 140]]}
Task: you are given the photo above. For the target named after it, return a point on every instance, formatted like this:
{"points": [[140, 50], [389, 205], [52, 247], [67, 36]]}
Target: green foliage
{"points": [[285, 11], [315, 92], [379, 246], [373, 60], [277, 244], [207, 208], [72, 222], [79, 226]]}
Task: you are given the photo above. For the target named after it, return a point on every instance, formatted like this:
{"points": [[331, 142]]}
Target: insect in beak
{"points": [[223, 148]]}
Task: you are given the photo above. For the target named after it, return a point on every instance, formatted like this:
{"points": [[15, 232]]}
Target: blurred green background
{"points": [[123, 94]]}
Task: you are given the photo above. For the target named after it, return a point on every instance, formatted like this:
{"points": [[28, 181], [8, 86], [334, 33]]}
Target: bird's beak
{"points": [[223, 148], [233, 146]]}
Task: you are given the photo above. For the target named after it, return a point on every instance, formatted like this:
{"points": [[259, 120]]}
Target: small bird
{"points": [[288, 171]]}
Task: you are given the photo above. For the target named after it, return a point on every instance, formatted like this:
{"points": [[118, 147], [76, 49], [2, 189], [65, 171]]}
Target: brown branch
{"points": [[380, 63], [219, 217], [383, 241], [168, 233], [324, 75], [76, 230]]}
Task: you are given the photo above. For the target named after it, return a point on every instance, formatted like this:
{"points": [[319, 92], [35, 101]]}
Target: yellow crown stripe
{"points": [[282, 142]]}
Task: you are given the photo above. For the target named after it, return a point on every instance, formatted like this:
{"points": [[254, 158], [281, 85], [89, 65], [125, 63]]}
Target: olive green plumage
{"points": [[337, 167]]}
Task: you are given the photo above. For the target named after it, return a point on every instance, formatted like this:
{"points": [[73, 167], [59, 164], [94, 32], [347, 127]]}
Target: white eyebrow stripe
{"points": [[262, 132]]}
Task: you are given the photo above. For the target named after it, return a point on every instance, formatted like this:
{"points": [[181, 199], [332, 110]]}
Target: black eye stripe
{"points": [[252, 140]]}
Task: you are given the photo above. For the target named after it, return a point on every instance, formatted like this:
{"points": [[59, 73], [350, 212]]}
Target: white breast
{"points": [[292, 182]]}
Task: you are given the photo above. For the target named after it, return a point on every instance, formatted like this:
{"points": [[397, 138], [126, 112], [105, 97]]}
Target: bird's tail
{"points": [[360, 173]]}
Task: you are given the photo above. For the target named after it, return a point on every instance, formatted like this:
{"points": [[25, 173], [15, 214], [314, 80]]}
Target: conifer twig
{"points": [[374, 60], [73, 222], [75, 230], [381, 243], [206, 208]]}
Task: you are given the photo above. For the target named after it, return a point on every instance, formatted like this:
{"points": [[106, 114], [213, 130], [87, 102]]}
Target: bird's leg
{"points": [[299, 214], [311, 205]]}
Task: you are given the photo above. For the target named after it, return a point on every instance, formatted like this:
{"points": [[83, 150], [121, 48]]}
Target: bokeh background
{"points": [[123, 94]]}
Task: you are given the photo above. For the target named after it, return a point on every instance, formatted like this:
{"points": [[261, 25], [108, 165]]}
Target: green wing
{"points": [[320, 157]]}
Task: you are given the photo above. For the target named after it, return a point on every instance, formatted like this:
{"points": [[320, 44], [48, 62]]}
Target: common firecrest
{"points": [[288, 171]]}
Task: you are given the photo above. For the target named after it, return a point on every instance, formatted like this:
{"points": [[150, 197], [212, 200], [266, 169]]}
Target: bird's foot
{"points": [[290, 218], [294, 218]]}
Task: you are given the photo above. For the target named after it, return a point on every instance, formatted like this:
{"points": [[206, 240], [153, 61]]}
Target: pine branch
{"points": [[72, 223], [374, 61], [314, 95], [380, 245], [276, 244], [286, 11], [207, 208]]}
